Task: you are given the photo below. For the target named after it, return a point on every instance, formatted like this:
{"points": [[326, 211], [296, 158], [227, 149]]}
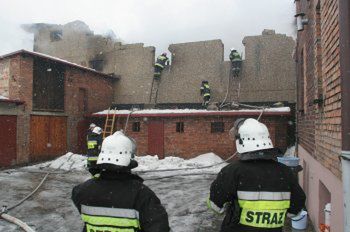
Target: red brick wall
{"points": [[305, 72], [319, 127], [328, 131], [197, 137], [99, 92]]}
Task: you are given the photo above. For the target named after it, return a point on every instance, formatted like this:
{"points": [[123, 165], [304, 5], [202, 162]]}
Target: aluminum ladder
{"points": [[154, 91], [109, 123]]}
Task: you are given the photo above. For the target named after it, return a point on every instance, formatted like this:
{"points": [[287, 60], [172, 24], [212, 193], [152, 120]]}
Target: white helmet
{"points": [[117, 149], [251, 135], [92, 126], [97, 130], [233, 49]]}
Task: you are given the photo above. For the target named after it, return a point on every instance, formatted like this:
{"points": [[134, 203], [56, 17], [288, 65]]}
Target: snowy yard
{"points": [[51, 209]]}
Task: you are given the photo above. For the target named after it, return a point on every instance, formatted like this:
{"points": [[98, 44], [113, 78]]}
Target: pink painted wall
{"points": [[310, 179]]}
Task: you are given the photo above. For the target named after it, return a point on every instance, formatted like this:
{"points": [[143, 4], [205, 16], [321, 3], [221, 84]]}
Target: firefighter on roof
{"points": [[256, 191], [236, 62], [205, 92], [118, 200], [160, 64]]}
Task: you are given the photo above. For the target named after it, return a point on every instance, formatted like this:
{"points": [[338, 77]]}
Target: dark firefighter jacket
{"points": [[234, 56], [161, 60], [119, 202], [257, 194], [94, 142], [205, 90]]}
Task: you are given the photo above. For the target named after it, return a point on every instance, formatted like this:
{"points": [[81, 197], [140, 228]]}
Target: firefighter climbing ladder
{"points": [[109, 123], [154, 91]]}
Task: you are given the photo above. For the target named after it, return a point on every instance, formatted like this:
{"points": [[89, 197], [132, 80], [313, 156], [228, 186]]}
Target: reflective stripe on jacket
{"points": [[94, 142], [258, 194], [119, 202], [263, 209], [161, 60], [110, 219], [205, 90]]}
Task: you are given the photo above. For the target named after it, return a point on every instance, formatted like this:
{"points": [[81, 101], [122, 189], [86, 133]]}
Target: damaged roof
{"points": [[52, 58]]}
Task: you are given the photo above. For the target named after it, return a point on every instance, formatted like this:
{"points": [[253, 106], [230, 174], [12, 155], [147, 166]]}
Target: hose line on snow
{"points": [[16, 221]]}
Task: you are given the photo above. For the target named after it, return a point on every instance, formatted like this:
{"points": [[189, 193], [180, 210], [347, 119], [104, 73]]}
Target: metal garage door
{"points": [[8, 137], [48, 137]]}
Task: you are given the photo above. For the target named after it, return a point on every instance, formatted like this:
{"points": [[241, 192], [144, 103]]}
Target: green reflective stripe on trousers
{"points": [[264, 205], [91, 228], [206, 94], [110, 221], [93, 158], [263, 218]]}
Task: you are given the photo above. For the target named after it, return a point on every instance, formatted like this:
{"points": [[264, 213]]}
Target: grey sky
{"points": [[154, 22]]}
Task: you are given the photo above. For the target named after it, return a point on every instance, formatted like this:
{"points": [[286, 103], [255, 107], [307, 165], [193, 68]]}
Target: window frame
{"points": [[180, 127], [56, 35], [136, 127]]}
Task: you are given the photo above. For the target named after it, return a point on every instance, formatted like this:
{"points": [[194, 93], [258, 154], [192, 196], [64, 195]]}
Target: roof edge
{"points": [[56, 59]]}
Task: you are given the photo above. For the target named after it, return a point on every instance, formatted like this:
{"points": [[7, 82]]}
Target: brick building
{"points": [[322, 111], [268, 69], [44, 100], [175, 132]]}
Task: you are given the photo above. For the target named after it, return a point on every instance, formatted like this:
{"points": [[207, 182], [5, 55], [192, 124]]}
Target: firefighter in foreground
{"points": [[236, 62], [256, 191], [118, 200], [160, 64], [94, 146], [205, 91]]}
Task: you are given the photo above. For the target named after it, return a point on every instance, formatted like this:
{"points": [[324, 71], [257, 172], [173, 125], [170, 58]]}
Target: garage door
{"points": [[8, 125], [48, 137]]}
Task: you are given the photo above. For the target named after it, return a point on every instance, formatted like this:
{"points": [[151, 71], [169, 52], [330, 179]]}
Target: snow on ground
{"points": [[77, 162], [2, 97], [66, 162], [186, 111], [51, 209]]}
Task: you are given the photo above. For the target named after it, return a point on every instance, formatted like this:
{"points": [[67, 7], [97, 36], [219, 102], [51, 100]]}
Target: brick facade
{"points": [[197, 137], [319, 109], [319, 125], [17, 70]]}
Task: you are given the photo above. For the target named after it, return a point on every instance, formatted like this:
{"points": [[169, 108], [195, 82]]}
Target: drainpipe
{"points": [[344, 25]]}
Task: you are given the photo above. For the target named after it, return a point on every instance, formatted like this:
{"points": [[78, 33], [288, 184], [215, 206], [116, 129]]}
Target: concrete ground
{"points": [[51, 209]]}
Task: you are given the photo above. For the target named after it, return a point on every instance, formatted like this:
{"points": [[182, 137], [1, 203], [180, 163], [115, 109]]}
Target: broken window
{"points": [[48, 85], [56, 35], [180, 127], [96, 64], [136, 126], [217, 127]]}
